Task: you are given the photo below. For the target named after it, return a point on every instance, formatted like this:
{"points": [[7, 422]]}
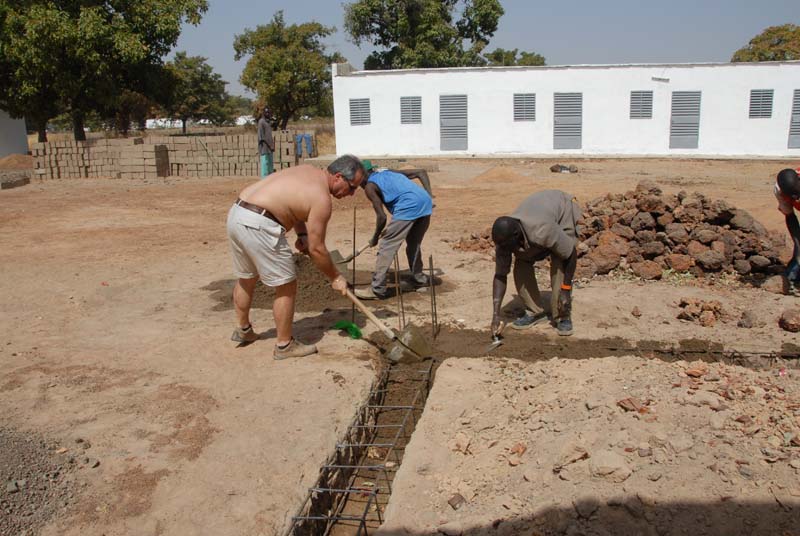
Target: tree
{"points": [[288, 67], [423, 33], [198, 92], [503, 57], [78, 56], [776, 43]]}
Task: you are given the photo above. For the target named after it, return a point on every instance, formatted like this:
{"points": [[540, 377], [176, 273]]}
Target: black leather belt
{"points": [[259, 210]]}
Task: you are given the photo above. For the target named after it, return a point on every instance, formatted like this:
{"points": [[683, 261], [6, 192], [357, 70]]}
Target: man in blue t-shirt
{"points": [[410, 206]]}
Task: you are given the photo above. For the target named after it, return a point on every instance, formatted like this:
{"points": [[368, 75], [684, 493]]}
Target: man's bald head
{"points": [[507, 233]]}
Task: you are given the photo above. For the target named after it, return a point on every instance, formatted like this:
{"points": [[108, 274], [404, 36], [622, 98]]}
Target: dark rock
{"points": [[647, 187], [677, 233], [744, 221], [642, 221], [586, 268], [647, 235], [679, 263], [759, 263], [647, 270], [695, 248], [652, 249], [652, 204], [790, 320], [719, 212], [623, 230], [665, 219], [710, 260], [741, 266], [605, 258], [705, 236], [609, 238]]}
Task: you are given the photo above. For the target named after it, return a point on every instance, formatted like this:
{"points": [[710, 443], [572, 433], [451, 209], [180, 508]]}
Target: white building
{"points": [[13, 136], [718, 109]]}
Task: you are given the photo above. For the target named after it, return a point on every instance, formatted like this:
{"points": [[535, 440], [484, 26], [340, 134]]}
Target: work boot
{"points": [[244, 335], [528, 320], [369, 294], [295, 348], [564, 327]]}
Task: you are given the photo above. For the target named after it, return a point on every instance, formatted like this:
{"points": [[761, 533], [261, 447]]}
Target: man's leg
{"points": [[270, 164], [396, 232], [263, 160], [283, 311], [242, 299], [556, 280], [527, 288], [414, 247]]}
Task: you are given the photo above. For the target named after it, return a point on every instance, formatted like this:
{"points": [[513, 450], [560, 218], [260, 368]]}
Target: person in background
{"points": [[787, 191], [266, 144]]}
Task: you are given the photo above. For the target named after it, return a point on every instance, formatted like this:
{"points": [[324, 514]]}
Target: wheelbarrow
{"points": [[407, 346]]}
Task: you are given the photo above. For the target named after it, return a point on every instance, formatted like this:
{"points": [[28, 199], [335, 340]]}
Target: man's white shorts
{"points": [[259, 248]]}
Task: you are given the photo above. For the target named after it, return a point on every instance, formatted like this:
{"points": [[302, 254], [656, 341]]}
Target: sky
{"points": [[566, 32]]}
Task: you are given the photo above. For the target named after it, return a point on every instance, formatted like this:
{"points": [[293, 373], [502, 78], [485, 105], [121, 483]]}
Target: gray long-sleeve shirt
{"points": [[549, 219], [266, 144]]}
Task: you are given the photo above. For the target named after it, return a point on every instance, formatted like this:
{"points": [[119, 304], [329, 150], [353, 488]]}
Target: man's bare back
{"points": [[291, 194]]}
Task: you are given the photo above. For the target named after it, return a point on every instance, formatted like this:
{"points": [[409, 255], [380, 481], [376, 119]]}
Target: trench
{"points": [[355, 483]]}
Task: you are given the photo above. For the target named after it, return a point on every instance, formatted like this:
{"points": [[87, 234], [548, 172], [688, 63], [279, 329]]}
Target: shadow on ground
{"points": [[631, 516]]}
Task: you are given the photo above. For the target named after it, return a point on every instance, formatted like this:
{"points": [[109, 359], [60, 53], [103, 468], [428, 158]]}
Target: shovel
{"points": [[337, 258], [408, 346]]}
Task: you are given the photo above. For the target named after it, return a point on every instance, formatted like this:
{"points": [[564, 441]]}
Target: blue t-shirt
{"points": [[404, 198]]}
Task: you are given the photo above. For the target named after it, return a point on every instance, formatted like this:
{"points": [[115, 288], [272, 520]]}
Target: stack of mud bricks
{"points": [[160, 156]]}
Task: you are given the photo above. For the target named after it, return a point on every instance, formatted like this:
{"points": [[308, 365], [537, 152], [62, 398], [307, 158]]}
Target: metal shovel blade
{"points": [[411, 346], [337, 258]]}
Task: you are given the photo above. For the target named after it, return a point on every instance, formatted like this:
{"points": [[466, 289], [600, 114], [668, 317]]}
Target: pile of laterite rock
{"points": [[650, 232]]}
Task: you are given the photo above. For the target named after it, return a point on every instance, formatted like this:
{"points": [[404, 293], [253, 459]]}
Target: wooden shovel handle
{"points": [[369, 314]]}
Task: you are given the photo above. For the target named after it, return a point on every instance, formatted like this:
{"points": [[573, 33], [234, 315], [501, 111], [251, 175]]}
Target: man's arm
{"points": [[502, 267], [420, 174], [317, 226], [374, 195]]}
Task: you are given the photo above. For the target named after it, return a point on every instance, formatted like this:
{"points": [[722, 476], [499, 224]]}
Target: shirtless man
{"points": [[296, 198]]}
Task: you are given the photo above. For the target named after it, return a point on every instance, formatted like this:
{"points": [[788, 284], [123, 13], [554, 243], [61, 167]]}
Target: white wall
{"points": [[725, 126], [13, 137]]}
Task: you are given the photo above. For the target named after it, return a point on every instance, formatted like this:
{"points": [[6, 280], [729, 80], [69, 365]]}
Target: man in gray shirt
{"points": [[545, 224], [266, 144]]}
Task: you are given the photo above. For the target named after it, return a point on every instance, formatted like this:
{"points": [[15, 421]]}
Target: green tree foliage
{"points": [[78, 57], [197, 92], [288, 67], [423, 33], [503, 57], [776, 43]]}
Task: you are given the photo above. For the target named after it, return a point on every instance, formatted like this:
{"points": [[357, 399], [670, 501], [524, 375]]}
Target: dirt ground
{"points": [[115, 319], [618, 445]]}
